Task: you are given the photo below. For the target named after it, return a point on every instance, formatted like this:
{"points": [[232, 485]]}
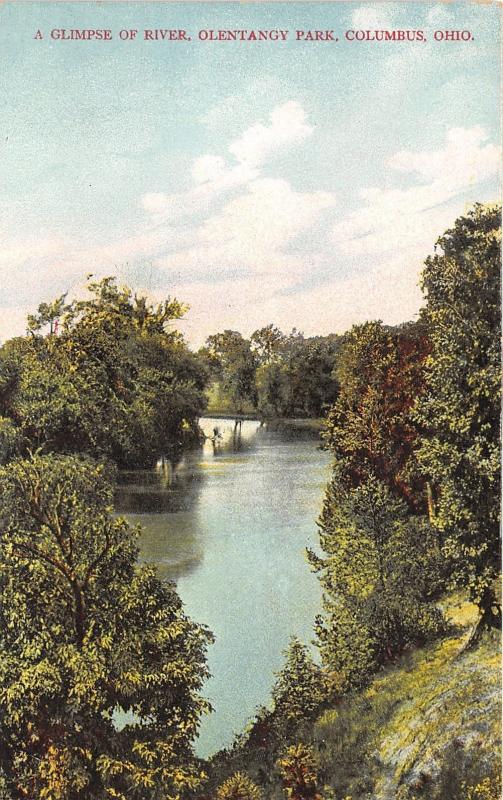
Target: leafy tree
{"points": [[299, 688], [460, 449], [380, 573], [238, 787], [85, 633], [370, 429], [273, 391], [233, 364], [295, 376], [309, 365], [48, 314], [268, 343], [116, 382]]}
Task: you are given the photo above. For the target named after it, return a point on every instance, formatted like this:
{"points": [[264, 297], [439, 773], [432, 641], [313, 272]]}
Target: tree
{"points": [[47, 314], [460, 448], [299, 688], [309, 366], [117, 381], [370, 428], [298, 770], [233, 364], [87, 633], [273, 391], [268, 343], [381, 572]]}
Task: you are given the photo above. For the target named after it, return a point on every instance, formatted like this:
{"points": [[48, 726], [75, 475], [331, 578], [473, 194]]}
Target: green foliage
{"points": [[369, 428], [116, 382], [267, 343], [295, 377], [299, 689], [10, 440], [85, 633], [274, 374], [380, 574], [460, 449], [298, 770], [233, 364], [48, 314], [238, 787]]}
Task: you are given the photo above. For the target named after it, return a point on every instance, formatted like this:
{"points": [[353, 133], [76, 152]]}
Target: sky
{"points": [[295, 182]]}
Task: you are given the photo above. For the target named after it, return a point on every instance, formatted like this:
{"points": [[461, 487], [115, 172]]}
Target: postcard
{"points": [[249, 400]]}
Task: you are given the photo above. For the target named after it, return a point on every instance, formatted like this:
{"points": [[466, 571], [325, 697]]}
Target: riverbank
{"points": [[314, 424], [426, 728]]}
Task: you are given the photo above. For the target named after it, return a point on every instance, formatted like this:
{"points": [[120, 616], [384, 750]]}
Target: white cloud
{"points": [[254, 232], [288, 126], [372, 17], [405, 217], [235, 220], [255, 227], [465, 159], [214, 177], [208, 168]]}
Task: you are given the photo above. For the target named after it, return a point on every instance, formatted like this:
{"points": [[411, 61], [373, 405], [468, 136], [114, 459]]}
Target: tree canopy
{"points": [[117, 381], [460, 412], [370, 430], [86, 634], [274, 374]]}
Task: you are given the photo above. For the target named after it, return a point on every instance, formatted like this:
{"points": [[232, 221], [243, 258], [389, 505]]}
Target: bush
{"points": [[298, 770], [239, 787]]}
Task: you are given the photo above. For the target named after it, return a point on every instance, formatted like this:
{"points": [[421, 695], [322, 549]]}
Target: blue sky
{"points": [[298, 183]]}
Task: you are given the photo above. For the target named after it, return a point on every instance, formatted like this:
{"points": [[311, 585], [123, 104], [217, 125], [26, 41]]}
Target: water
{"points": [[230, 524]]}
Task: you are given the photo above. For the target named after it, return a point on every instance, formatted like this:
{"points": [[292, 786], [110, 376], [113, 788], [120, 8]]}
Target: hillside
{"points": [[427, 727]]}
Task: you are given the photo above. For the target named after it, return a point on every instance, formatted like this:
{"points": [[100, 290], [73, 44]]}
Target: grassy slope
{"points": [[422, 727], [419, 730]]}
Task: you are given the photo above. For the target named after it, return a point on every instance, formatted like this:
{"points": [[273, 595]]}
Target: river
{"points": [[230, 524]]}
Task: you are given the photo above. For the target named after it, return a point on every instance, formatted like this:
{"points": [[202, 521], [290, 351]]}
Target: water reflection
{"points": [[228, 436]]}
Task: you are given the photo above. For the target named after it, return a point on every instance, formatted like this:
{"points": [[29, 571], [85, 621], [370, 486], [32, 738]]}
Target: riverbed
{"points": [[230, 523]]}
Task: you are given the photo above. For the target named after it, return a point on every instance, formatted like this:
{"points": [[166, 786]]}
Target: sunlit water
{"points": [[230, 524]]}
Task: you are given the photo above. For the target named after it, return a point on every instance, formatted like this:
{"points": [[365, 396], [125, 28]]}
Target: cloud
{"points": [[288, 126], [372, 17], [254, 232], [236, 219], [208, 168], [245, 247], [212, 176], [392, 217], [465, 159]]}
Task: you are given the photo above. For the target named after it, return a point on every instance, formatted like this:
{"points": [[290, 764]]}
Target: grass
{"points": [[435, 712]]}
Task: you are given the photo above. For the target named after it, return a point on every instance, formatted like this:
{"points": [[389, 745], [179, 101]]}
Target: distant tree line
{"points": [[272, 373]]}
